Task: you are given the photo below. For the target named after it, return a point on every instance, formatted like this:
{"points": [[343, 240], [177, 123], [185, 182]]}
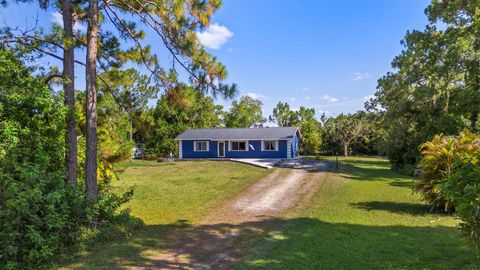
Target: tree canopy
{"points": [[245, 113], [435, 85]]}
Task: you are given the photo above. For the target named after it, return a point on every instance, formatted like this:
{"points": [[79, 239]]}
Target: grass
{"points": [[168, 197], [167, 192], [364, 217]]}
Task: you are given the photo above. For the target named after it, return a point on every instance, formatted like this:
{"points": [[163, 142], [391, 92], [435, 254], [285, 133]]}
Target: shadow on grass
{"points": [[373, 170], [393, 207], [408, 183], [275, 243], [366, 161]]}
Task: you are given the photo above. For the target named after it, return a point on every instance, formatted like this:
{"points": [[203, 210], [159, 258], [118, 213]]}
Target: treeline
{"points": [[435, 86], [182, 107], [429, 107], [57, 143]]}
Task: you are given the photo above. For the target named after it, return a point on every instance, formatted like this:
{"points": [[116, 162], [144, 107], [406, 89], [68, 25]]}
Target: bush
{"points": [[449, 178], [434, 168], [40, 215], [39, 218], [462, 187]]}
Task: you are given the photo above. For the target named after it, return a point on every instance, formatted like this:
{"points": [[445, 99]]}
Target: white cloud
{"points": [[343, 103], [57, 19], [367, 98], [361, 76], [329, 98], [305, 89], [293, 99], [320, 112], [230, 50], [215, 36], [307, 98], [256, 96]]}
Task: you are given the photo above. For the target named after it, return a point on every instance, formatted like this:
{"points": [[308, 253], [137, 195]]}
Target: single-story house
{"points": [[270, 142]]}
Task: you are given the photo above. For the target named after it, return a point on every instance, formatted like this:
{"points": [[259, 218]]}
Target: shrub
{"points": [[435, 166], [449, 178], [40, 216], [462, 187]]}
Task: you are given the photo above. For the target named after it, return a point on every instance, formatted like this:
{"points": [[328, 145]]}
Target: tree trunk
{"points": [[130, 132], [91, 102], [345, 149], [69, 90]]}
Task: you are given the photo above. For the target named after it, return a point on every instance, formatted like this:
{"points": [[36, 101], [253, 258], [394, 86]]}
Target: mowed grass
{"points": [[364, 217], [167, 192], [168, 197]]}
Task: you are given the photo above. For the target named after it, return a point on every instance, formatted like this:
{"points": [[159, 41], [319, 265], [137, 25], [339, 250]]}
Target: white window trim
{"points": [[265, 150], [230, 146], [195, 146]]}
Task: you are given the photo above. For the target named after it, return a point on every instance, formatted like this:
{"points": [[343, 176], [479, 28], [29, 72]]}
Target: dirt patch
{"points": [[219, 242]]}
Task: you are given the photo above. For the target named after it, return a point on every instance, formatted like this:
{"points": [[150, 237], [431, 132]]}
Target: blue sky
{"points": [[322, 54]]}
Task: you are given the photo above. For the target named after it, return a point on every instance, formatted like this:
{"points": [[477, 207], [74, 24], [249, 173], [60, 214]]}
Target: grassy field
{"points": [[168, 198], [167, 192], [364, 217]]}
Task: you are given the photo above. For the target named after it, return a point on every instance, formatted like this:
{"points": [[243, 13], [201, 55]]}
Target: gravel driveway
{"points": [[285, 189]]}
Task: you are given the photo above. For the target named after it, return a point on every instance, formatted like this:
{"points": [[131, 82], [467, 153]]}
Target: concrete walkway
{"points": [[266, 163], [295, 163], [306, 164]]}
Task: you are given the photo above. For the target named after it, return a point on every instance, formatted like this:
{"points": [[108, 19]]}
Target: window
{"points": [[200, 146], [238, 146], [269, 145]]}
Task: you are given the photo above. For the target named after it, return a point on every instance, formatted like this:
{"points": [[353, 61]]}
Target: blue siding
{"points": [[187, 150]]}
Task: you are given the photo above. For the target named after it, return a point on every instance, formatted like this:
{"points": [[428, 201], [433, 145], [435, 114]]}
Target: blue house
{"points": [[271, 142]]}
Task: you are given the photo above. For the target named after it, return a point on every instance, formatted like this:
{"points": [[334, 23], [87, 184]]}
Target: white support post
{"points": [[180, 149], [289, 149]]}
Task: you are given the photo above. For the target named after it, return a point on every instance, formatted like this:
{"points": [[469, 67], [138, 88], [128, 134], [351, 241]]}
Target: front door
{"points": [[221, 149]]}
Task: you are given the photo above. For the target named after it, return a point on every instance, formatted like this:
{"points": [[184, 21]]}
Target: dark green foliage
{"points": [[245, 113], [304, 118], [282, 115], [449, 178], [357, 134], [40, 215], [309, 127], [463, 190], [435, 87], [180, 108]]}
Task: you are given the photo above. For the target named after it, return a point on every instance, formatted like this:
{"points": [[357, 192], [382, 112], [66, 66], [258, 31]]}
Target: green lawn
{"points": [[365, 217], [167, 192], [168, 197]]}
